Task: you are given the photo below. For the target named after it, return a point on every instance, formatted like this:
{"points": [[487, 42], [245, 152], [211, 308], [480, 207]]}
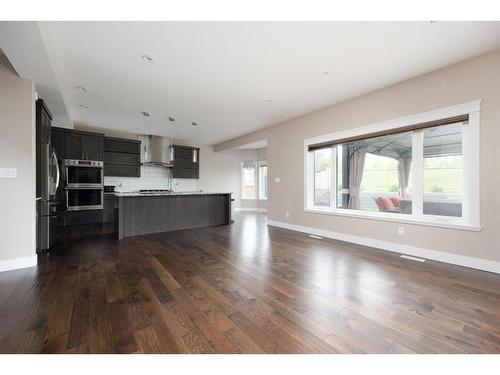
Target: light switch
{"points": [[8, 172], [277, 180]]}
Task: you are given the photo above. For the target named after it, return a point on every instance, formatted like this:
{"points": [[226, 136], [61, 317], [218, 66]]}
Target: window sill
{"points": [[396, 219]]}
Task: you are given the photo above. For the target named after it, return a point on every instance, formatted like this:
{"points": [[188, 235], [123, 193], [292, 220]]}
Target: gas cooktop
{"points": [[154, 191]]}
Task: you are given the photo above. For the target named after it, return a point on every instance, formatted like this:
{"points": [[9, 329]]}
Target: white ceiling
{"points": [[221, 74]]}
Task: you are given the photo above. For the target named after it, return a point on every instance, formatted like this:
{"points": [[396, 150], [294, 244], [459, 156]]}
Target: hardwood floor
{"points": [[244, 288]]}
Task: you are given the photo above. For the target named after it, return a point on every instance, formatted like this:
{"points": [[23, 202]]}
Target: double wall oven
{"points": [[84, 184]]}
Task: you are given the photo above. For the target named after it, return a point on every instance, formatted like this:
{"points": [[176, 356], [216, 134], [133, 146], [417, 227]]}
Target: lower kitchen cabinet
{"points": [[110, 211], [83, 217]]}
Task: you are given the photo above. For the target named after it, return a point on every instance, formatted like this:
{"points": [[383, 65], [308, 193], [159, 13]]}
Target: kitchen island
{"points": [[140, 214]]}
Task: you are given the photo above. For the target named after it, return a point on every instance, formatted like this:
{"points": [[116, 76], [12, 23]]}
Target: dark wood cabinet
{"points": [[189, 173], [186, 163], [84, 146], [117, 170], [109, 213], [83, 217], [73, 142], [93, 147], [122, 157], [122, 145]]}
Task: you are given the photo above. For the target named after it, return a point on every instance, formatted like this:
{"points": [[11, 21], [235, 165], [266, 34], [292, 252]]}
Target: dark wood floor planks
{"points": [[243, 288]]}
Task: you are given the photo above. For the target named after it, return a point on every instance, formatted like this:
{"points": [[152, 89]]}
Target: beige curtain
{"points": [[404, 166], [356, 166]]}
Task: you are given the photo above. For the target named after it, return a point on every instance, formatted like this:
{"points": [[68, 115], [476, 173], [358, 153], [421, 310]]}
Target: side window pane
{"points": [[374, 174], [263, 182], [249, 186], [322, 177], [443, 171]]}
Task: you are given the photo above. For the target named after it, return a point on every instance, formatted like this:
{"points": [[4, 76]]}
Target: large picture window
{"points": [[411, 173]]}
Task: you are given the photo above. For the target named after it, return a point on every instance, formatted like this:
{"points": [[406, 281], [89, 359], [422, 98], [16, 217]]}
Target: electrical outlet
{"points": [[277, 180], [287, 214], [401, 231]]}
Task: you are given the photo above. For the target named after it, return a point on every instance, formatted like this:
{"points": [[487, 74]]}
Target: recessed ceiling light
{"points": [[83, 106], [194, 123], [147, 58], [82, 89], [145, 114], [171, 119]]}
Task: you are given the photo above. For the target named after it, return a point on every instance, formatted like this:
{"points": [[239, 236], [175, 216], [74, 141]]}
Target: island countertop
{"points": [[164, 194]]}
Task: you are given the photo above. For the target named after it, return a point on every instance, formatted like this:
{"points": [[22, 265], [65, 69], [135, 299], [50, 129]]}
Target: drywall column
{"points": [[17, 156]]}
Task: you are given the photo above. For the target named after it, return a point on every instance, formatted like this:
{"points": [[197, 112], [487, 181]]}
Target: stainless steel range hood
{"points": [[155, 151]]}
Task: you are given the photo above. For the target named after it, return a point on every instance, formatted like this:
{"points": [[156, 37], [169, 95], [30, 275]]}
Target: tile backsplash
{"points": [[152, 178]]}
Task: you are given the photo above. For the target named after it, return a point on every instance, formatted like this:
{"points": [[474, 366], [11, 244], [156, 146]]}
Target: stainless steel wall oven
{"points": [[84, 184], [84, 199], [84, 173]]}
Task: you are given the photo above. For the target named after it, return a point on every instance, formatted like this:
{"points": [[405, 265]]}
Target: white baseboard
{"points": [[440, 256], [243, 209], [17, 263]]}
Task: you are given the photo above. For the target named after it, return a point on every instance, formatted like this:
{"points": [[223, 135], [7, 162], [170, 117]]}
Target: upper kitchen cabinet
{"points": [[93, 147], [84, 146], [186, 163], [122, 157]]}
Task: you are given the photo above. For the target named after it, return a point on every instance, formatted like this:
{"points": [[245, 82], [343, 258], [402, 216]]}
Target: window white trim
{"points": [[471, 206], [260, 164], [417, 161], [437, 114]]}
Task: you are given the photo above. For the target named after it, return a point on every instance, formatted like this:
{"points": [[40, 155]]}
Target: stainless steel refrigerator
{"points": [[48, 181]]}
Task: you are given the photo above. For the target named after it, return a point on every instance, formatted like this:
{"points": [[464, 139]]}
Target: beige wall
{"points": [[477, 78], [17, 150]]}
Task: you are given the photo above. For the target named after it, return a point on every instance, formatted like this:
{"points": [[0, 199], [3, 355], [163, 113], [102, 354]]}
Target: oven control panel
{"points": [[83, 163]]}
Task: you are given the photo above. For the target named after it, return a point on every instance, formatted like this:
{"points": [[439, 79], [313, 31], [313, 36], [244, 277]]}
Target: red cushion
{"points": [[385, 204], [395, 201]]}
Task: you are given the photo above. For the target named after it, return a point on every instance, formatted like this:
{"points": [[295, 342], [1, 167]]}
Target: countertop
{"points": [[138, 194]]}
